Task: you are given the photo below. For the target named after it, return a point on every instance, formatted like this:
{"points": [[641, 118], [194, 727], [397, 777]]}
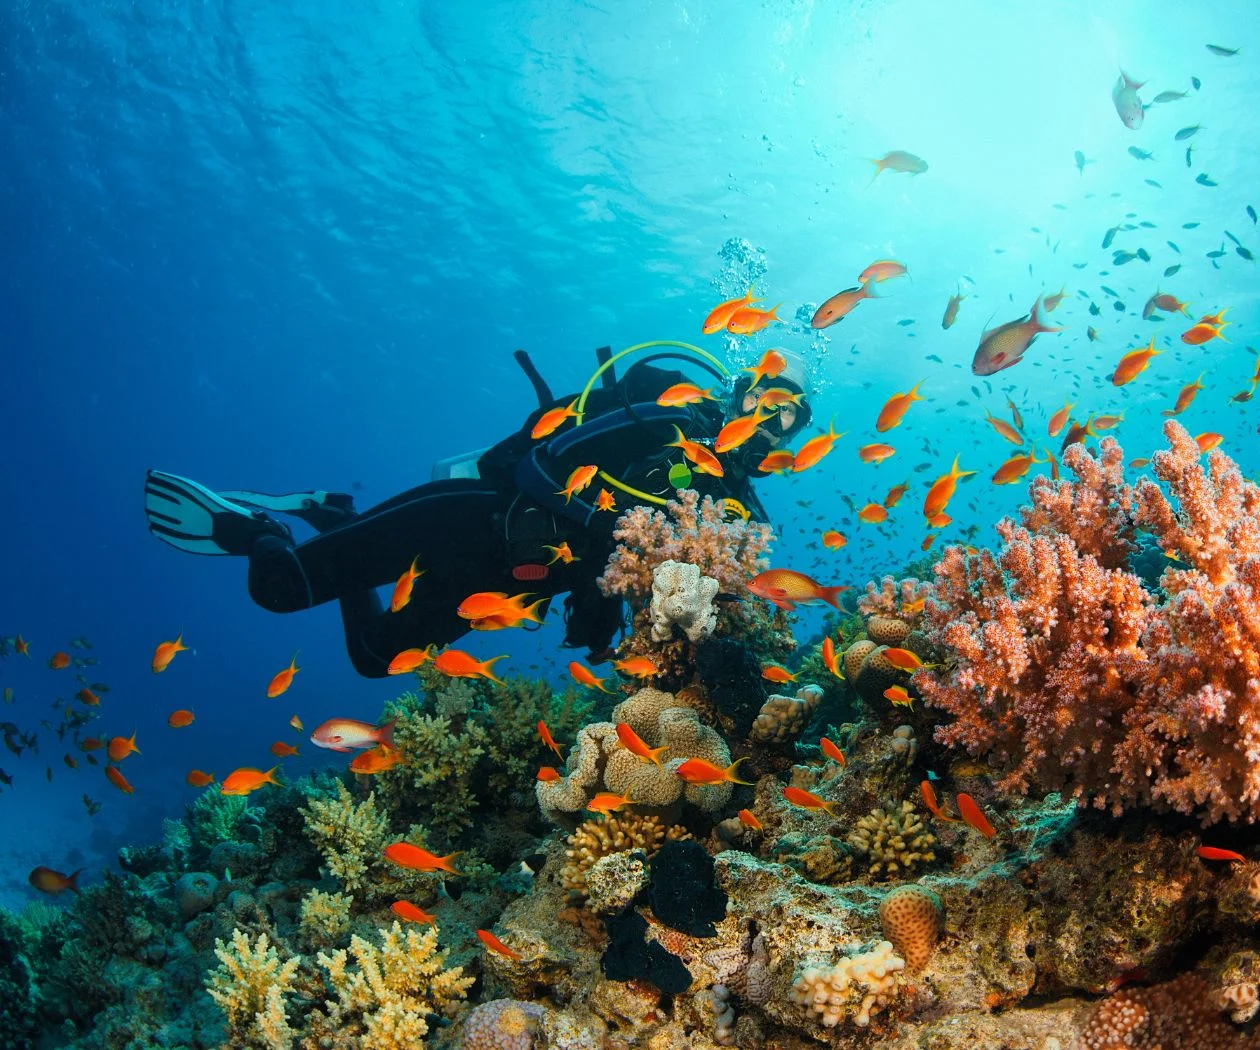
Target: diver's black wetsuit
{"points": [[470, 535]]}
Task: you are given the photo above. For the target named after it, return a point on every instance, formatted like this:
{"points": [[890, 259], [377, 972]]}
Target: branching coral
{"points": [[893, 839], [250, 985], [1070, 675], [858, 986], [324, 918], [382, 1001], [597, 839]]}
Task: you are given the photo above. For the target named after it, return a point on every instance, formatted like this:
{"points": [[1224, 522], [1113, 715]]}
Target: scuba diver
{"points": [[496, 519]]}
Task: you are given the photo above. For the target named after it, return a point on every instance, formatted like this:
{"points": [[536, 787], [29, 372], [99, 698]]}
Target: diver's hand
{"points": [[601, 656]]}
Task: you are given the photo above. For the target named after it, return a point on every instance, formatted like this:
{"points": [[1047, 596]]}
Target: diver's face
{"points": [[783, 420]]}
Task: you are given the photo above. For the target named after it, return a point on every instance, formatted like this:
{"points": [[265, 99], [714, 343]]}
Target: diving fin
{"points": [[322, 511], [192, 518]]}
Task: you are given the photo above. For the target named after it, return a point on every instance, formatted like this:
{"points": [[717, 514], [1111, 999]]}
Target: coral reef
{"points": [[682, 598], [1069, 675], [250, 986]]}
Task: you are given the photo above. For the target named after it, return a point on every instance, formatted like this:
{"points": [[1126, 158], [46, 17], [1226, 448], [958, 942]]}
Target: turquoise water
{"points": [[293, 246]]}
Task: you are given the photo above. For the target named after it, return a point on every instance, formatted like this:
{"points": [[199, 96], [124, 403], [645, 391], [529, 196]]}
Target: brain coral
{"points": [[502, 1024]]}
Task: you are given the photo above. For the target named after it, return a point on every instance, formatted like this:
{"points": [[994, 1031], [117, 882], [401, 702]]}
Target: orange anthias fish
{"points": [[895, 493], [684, 394], [402, 589], [198, 778], [802, 799], [873, 513], [485, 604], [1059, 419], [777, 396], [47, 880], [1004, 428], [749, 820], [411, 913], [902, 659], [548, 774], [739, 430], [704, 460], [1078, 432], [405, 855], [895, 408], [409, 660], [585, 676], [1187, 394], [1208, 440], [86, 696], [637, 667], [882, 270], [247, 780], [816, 447], [776, 674], [455, 663], [165, 653], [550, 421], [721, 313], [607, 802], [951, 309], [605, 501], [1205, 852], [59, 661], [777, 461], [899, 160], [831, 658], [699, 771], [973, 815], [833, 540], [1107, 422], [1015, 468], [1169, 303], [899, 697], [832, 751], [282, 680], [1134, 364], [913, 608], [296, 723], [1202, 333], [120, 747], [1051, 302], [840, 305], [1005, 345], [376, 760], [544, 734], [633, 743], [748, 320], [875, 453], [563, 554], [939, 520], [942, 490], [22, 647], [770, 366], [179, 719], [91, 743], [283, 750], [349, 734], [114, 775], [495, 945], [929, 799], [579, 478], [787, 589]]}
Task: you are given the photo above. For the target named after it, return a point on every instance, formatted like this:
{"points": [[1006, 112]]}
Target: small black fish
{"points": [[1232, 237], [961, 403], [1245, 253], [1109, 236], [726, 596], [905, 321], [1143, 255], [1203, 180], [1119, 306], [1079, 266], [1224, 52], [1186, 133], [1146, 222], [1170, 270], [1122, 258], [1109, 291], [975, 390], [1189, 225], [1218, 253], [1093, 309], [922, 467], [5, 778], [1173, 247], [933, 357], [1196, 83], [1140, 154], [91, 805], [1251, 213], [531, 865]]}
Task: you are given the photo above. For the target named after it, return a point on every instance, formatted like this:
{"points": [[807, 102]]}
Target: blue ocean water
{"points": [[293, 246]]}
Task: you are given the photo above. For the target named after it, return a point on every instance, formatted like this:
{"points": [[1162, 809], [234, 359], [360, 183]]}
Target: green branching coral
{"points": [[215, 817], [383, 1000], [511, 713], [250, 985]]}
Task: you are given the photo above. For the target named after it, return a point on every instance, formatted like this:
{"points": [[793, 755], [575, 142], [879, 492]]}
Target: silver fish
{"points": [[1128, 104]]}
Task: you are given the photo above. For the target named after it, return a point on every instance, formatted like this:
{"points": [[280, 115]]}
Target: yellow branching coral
{"points": [[383, 999], [894, 839], [249, 985], [350, 836], [597, 839], [324, 918]]}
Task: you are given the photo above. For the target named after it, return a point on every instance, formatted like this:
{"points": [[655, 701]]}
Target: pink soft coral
{"points": [[1070, 675]]}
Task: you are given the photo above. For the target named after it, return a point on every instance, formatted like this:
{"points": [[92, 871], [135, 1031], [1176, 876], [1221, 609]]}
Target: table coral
{"points": [[1068, 674], [382, 1000], [250, 985]]}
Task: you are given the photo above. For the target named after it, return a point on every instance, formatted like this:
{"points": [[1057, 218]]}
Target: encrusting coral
{"points": [[858, 986], [383, 999], [1070, 675], [250, 985]]}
